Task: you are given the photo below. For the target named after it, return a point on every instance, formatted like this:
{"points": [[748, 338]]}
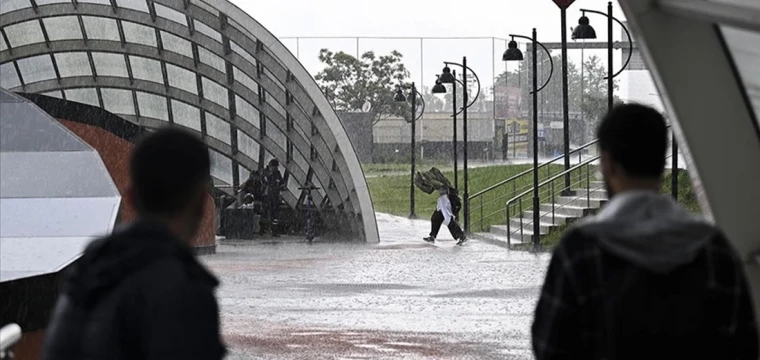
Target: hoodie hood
{"points": [[108, 262], [650, 230]]}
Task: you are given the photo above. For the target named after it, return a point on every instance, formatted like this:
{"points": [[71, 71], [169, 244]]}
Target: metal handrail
{"points": [[530, 171], [9, 335]]}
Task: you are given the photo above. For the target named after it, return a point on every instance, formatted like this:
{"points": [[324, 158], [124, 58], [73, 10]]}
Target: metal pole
{"points": [[610, 82], [464, 133], [422, 116], [456, 143], [565, 103], [412, 215], [674, 169], [536, 203]]}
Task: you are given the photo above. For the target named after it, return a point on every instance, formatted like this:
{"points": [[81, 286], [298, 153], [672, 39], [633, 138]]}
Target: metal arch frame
{"points": [[666, 34], [350, 167], [182, 61]]}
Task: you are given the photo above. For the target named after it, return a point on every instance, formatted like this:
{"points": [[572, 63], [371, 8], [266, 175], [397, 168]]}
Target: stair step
{"points": [[526, 235], [559, 219], [496, 239], [595, 193], [567, 210], [578, 201], [546, 226]]}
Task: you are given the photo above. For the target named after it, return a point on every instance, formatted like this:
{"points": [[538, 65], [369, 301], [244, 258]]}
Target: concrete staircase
{"points": [[554, 217]]}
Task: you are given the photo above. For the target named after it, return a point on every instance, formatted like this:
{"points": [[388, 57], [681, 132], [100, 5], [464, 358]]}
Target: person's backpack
{"points": [[456, 202]]}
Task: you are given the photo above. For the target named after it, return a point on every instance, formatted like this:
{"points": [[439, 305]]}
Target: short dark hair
{"points": [[636, 137], [166, 167]]}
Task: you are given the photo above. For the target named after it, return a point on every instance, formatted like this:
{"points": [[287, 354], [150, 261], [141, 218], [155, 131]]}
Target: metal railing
{"points": [[9, 335], [486, 206], [583, 177]]}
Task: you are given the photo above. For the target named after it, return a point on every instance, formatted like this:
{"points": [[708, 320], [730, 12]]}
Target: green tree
{"points": [[349, 82]]}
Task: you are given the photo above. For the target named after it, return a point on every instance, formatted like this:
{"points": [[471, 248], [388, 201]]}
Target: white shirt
{"points": [[444, 206]]}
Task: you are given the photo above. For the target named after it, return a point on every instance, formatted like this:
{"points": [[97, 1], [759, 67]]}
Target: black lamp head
{"points": [[512, 53], [446, 77], [584, 30], [399, 94], [439, 88]]}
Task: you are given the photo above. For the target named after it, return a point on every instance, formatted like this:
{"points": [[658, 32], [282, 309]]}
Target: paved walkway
{"points": [[400, 299]]}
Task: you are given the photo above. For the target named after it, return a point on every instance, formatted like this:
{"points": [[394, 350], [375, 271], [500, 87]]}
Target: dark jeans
{"points": [[271, 210], [437, 220]]}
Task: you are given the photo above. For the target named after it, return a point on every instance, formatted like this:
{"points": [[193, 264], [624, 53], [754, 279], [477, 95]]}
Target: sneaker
{"points": [[429, 239], [462, 241]]}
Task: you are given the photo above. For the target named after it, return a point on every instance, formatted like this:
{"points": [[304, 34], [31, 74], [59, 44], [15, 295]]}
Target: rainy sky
{"points": [[291, 19]]}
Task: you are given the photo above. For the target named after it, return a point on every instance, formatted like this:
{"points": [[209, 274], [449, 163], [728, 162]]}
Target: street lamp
{"points": [[400, 97], [448, 77], [439, 88], [584, 30], [514, 54]]}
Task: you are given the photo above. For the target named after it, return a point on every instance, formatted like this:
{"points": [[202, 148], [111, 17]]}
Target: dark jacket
{"points": [[273, 184], [644, 280], [137, 294]]}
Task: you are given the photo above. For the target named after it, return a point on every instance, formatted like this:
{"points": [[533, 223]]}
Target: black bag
{"points": [[456, 202]]}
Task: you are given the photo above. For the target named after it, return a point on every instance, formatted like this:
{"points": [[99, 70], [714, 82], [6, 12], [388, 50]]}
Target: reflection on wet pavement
{"points": [[400, 299]]}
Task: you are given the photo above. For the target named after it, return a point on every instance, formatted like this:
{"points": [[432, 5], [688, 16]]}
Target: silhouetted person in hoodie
{"points": [[140, 293], [644, 279]]}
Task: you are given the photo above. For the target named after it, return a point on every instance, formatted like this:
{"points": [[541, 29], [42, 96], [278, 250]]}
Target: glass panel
{"points": [[240, 51], [56, 94], [118, 101], [63, 28], [215, 93], [243, 174], [37, 68], [25, 33], [246, 111], [276, 105], [221, 166], [146, 69], [45, 2], [245, 80], [139, 5], [300, 160], [87, 96], [745, 49], [103, 2], [293, 186], [248, 146], [207, 7], [270, 75], [139, 34], [181, 79], [7, 6], [3, 44], [98, 28], [176, 44], [315, 181], [208, 31], [73, 64], [211, 59], [152, 106], [171, 14], [744, 3], [110, 64], [186, 115], [218, 128], [8, 76], [301, 131], [276, 135]]}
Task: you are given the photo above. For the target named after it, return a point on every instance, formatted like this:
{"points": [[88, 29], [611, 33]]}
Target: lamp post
{"points": [[514, 54], [439, 88], [413, 119], [585, 31], [447, 77]]}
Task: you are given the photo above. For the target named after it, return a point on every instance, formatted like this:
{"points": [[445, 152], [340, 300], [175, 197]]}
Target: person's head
{"points": [[249, 199], [633, 140], [274, 164], [169, 175], [443, 190]]}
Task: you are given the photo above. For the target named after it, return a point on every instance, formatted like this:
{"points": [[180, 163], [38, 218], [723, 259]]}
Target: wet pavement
{"points": [[400, 299]]}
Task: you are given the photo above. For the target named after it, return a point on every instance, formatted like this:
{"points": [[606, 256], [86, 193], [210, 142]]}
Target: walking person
{"points": [[273, 185], [445, 213], [644, 279], [140, 293]]}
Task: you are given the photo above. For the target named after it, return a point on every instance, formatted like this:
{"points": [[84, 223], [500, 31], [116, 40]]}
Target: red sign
{"points": [[563, 4]]}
